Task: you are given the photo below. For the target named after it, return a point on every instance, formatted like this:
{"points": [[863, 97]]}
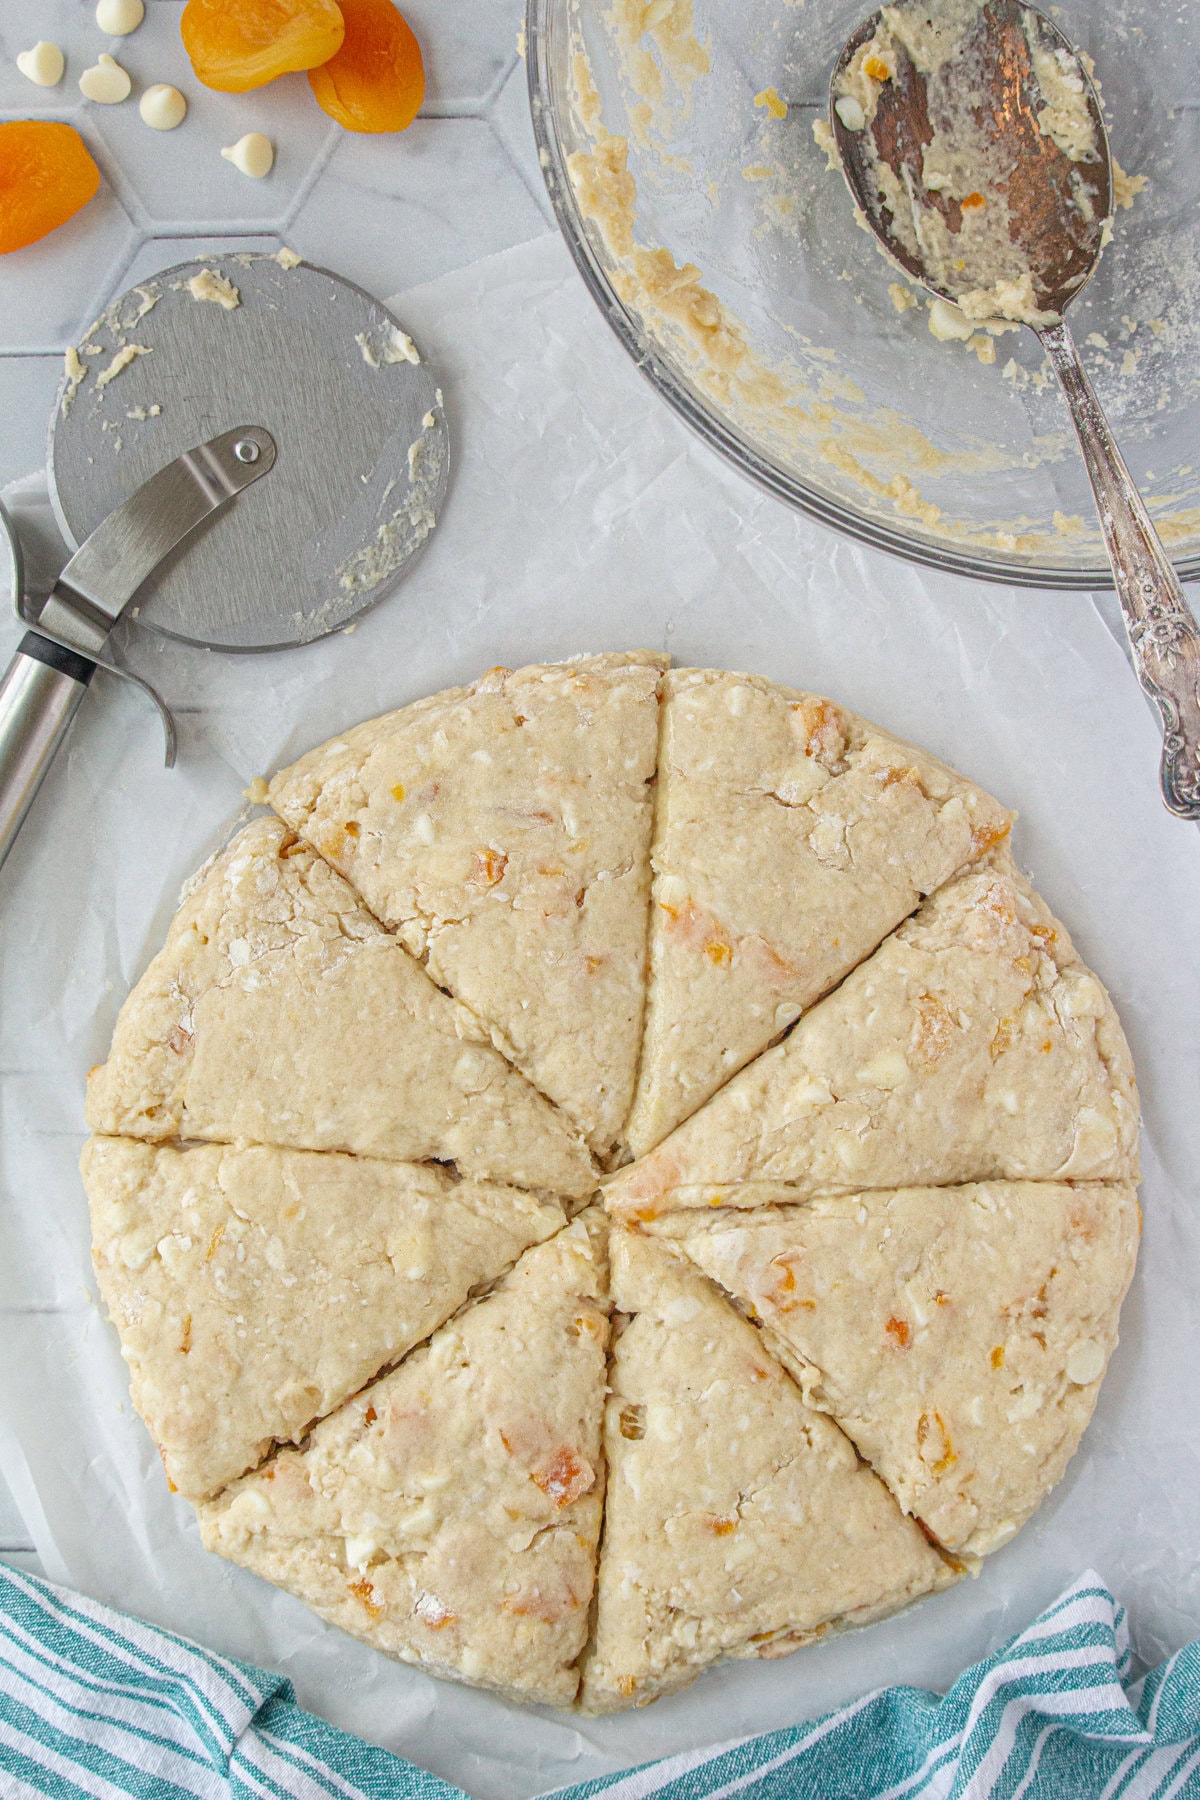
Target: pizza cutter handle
{"points": [[38, 699], [50, 673]]}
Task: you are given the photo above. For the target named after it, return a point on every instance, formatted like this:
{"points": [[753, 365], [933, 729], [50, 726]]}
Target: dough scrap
{"points": [[279, 1011], [790, 838], [255, 1289], [973, 1046], [449, 1515], [958, 1335], [739, 1521], [503, 831]]}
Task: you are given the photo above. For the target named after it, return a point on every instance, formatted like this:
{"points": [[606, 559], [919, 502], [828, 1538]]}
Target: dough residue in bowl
{"points": [[706, 302]]}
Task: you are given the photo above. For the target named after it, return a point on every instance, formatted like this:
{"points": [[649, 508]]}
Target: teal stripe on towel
{"points": [[96, 1704]]}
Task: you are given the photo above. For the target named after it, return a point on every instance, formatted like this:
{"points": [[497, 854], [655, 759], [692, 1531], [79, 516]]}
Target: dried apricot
{"points": [[46, 175], [235, 45], [376, 82]]}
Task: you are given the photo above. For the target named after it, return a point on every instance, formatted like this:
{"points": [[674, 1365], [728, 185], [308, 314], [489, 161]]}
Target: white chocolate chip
{"points": [[251, 1503], [812, 1091], [162, 107], [1085, 1362], [915, 1301], [662, 1424], [887, 1070], [1095, 1142], [106, 82], [117, 18], [252, 155], [43, 65], [681, 1310], [172, 1249], [850, 112], [471, 1072], [423, 829], [419, 1521], [1081, 997], [359, 1551], [136, 1249], [850, 1151]]}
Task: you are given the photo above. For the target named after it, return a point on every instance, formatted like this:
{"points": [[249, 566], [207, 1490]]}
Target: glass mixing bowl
{"points": [[677, 142]]}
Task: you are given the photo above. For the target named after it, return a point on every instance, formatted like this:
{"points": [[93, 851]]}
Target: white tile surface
{"points": [[394, 214], [387, 211]]}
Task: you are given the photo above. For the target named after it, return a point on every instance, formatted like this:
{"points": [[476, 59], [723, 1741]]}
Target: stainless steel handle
{"points": [[1163, 633], [38, 699], [49, 675]]}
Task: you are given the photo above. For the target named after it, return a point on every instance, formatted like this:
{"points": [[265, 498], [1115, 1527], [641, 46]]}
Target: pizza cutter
{"points": [[245, 454]]}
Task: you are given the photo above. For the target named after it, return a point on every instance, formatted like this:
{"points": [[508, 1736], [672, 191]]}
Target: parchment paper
{"points": [[582, 516]]}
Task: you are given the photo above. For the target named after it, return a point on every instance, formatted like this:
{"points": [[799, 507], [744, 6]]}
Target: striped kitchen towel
{"points": [[94, 1703]]}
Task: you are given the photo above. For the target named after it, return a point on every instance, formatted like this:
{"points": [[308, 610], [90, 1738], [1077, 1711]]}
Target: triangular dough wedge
{"points": [[280, 1011], [972, 1046], [958, 1335], [255, 1289], [790, 838], [503, 830], [449, 1515], [739, 1522]]}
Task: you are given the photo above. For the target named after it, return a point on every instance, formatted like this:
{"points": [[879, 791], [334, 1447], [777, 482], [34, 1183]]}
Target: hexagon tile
{"points": [[389, 212]]}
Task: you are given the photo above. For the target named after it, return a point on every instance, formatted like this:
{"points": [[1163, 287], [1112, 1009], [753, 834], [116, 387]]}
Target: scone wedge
{"points": [[790, 838], [973, 1045], [254, 1289], [958, 1335], [503, 830], [739, 1521], [449, 1515], [280, 1011]]}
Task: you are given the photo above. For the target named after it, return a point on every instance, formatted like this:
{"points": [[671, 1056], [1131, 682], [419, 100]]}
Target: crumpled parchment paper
{"points": [[583, 516]]}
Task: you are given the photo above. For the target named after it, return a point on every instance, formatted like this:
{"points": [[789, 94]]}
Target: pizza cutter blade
{"points": [[357, 418], [148, 441]]}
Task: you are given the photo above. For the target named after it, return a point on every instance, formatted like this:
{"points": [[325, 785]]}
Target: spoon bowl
{"points": [[1058, 209]]}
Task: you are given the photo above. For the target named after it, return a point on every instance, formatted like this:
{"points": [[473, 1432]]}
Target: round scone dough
{"points": [[620, 1172]]}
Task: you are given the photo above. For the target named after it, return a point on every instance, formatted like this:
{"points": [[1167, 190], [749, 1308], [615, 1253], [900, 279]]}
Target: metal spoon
{"points": [[985, 101]]}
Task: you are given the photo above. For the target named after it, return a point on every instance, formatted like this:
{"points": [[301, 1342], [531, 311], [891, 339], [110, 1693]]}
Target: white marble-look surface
{"points": [[389, 212]]}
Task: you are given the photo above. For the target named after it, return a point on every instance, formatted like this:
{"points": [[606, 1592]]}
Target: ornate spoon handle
{"points": [[1163, 633]]}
